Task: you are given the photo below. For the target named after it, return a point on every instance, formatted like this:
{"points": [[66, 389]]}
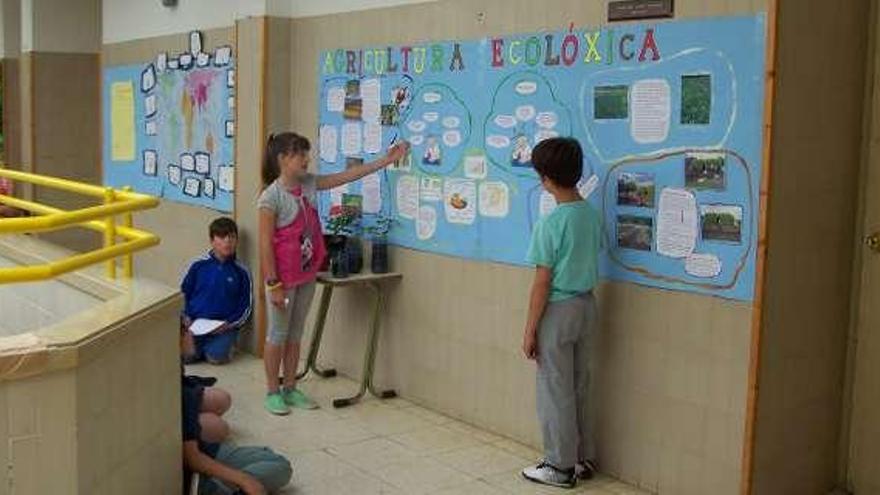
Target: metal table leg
{"points": [[370, 355], [317, 335]]}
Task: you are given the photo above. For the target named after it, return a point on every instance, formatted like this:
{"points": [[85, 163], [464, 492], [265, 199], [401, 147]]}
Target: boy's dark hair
{"points": [[560, 160], [285, 143], [223, 227]]}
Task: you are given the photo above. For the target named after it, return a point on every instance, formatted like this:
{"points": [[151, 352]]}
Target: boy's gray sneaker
{"points": [[546, 474]]}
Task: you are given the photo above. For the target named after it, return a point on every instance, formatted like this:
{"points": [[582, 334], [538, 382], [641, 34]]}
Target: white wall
{"points": [[308, 8], [126, 20], [66, 26]]}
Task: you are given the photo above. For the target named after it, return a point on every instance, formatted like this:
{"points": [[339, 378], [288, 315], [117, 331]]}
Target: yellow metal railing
{"points": [[100, 218]]}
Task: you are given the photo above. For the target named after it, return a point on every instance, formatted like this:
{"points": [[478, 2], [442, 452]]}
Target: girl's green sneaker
{"points": [[294, 398], [276, 404]]}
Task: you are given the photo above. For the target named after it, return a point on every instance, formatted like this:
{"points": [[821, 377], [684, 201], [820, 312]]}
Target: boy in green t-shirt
{"points": [[562, 316]]}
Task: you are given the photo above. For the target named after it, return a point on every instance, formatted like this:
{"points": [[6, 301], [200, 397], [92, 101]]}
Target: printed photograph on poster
{"points": [[151, 128], [230, 78], [721, 223], [150, 108], [635, 232], [432, 151], [461, 199], [222, 56], [635, 189], [151, 162], [174, 174], [230, 103], [195, 42], [352, 89], [230, 128], [186, 61], [203, 60], [401, 97], [226, 177], [354, 109], [610, 102], [352, 204], [705, 171], [187, 162], [208, 188], [148, 78], [192, 187], [696, 99], [173, 63], [203, 163], [522, 152], [390, 115]]}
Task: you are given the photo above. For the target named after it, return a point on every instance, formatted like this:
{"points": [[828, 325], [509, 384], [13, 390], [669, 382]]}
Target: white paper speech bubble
{"points": [[432, 97], [498, 141], [526, 87]]}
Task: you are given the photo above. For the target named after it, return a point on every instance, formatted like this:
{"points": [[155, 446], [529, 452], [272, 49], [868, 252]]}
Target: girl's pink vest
{"points": [[299, 246]]}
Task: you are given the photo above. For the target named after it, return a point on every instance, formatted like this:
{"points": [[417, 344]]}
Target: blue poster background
{"points": [[672, 110]]}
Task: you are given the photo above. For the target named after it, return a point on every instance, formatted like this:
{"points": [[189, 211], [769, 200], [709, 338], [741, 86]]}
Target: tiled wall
{"points": [[671, 368], [109, 426], [128, 408], [66, 130]]}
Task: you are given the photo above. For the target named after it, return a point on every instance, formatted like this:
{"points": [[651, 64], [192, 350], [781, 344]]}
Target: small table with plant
{"points": [[346, 263], [376, 282]]}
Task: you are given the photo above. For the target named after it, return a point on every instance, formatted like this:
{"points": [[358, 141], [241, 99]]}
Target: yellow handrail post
{"points": [[128, 222], [110, 232]]}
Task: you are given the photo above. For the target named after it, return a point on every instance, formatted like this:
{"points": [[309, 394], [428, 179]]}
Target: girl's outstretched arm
{"points": [[330, 181]]}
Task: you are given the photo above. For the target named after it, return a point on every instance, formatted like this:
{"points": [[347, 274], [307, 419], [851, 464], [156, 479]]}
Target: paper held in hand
{"points": [[203, 326]]}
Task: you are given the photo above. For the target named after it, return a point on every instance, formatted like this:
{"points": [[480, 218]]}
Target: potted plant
{"points": [[378, 232]]}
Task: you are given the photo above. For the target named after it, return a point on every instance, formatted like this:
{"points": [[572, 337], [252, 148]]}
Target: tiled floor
{"points": [[387, 447]]}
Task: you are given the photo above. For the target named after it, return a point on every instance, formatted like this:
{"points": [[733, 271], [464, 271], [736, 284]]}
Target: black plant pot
{"points": [[335, 244], [339, 263], [379, 256], [355, 251]]}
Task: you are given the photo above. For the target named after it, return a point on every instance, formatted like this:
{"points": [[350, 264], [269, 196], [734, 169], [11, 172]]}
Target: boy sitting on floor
{"points": [[218, 287], [225, 469]]}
